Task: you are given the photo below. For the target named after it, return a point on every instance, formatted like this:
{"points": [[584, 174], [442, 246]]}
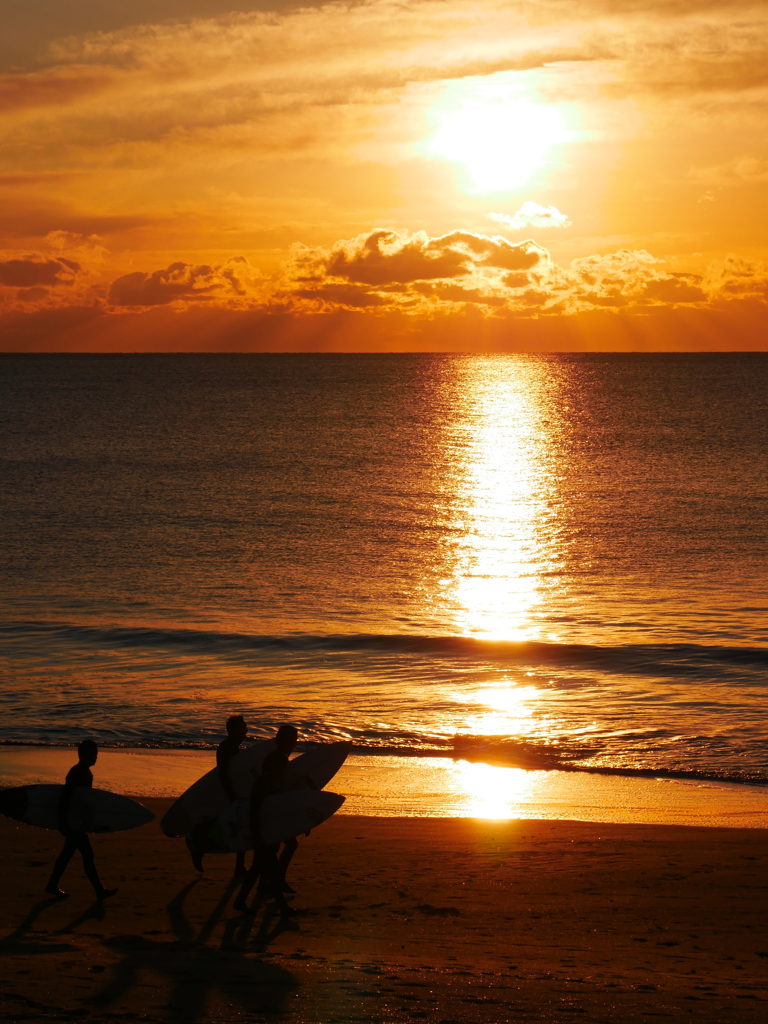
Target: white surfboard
{"points": [[90, 810], [283, 816], [317, 767], [207, 798]]}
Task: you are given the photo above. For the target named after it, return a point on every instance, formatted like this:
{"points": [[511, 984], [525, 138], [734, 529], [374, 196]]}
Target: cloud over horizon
{"points": [[384, 272]]}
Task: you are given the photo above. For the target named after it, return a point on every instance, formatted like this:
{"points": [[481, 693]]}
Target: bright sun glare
{"points": [[501, 141]]}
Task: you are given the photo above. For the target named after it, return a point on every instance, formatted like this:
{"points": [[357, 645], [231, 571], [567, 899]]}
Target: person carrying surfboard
{"points": [[78, 775], [265, 862], [237, 731]]}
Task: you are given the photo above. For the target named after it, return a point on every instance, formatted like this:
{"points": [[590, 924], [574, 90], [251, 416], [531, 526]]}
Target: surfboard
{"points": [[207, 798], [317, 767], [283, 816], [90, 810]]}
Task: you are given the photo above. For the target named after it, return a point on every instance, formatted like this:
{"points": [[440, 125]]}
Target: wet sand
{"points": [[407, 919], [432, 787]]}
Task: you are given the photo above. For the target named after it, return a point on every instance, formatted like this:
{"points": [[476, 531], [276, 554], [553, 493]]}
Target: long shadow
{"points": [[96, 912], [215, 916], [194, 970], [177, 917], [17, 943], [237, 931]]}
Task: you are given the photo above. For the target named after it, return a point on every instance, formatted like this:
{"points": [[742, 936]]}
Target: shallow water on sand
{"points": [[386, 786]]}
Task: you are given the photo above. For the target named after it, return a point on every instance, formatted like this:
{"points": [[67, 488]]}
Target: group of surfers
{"points": [[267, 867]]}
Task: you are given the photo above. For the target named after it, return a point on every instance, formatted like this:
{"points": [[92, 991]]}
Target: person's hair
{"points": [[233, 722], [286, 732], [85, 746]]}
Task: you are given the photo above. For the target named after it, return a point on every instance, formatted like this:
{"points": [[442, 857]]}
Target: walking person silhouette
{"points": [[265, 860], [78, 775], [237, 731]]}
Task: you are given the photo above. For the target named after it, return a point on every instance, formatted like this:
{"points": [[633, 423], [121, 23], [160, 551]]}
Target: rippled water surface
{"points": [[552, 561]]}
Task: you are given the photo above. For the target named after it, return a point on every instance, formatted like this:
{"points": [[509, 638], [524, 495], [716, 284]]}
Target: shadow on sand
{"points": [[17, 943], [198, 973]]}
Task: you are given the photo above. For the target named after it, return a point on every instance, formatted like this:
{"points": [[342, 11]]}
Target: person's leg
{"points": [[240, 864], [286, 855], [69, 847], [271, 874], [196, 842], [248, 881], [89, 865]]}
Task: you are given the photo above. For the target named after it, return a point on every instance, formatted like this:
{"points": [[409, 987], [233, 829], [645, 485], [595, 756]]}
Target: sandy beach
{"points": [[440, 920]]}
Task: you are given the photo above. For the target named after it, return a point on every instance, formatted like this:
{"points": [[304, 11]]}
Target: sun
{"points": [[500, 140]]}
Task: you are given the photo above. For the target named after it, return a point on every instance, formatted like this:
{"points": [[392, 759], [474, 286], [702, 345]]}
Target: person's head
{"points": [[286, 738], [236, 727], [87, 752]]}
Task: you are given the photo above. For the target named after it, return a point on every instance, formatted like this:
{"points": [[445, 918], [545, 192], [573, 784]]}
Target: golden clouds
{"points": [[384, 272], [270, 80], [225, 285], [428, 276], [62, 274], [532, 215], [27, 271], [277, 162]]}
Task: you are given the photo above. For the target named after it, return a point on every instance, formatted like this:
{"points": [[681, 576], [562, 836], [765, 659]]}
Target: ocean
{"points": [[556, 562]]}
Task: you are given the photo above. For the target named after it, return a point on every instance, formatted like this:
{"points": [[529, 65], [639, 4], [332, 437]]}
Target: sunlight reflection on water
{"points": [[430, 787], [503, 492]]}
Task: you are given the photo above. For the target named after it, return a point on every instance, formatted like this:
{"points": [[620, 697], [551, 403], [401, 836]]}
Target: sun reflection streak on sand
{"points": [[504, 499], [490, 792]]}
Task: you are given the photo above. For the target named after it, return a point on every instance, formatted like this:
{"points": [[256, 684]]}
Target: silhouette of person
{"points": [[237, 730], [291, 845], [265, 862], [78, 775]]}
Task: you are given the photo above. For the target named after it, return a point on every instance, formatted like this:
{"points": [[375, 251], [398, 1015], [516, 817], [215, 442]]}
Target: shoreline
{"points": [[444, 754], [429, 788]]}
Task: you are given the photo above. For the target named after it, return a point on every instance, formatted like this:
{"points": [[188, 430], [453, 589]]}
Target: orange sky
{"points": [[429, 174]]}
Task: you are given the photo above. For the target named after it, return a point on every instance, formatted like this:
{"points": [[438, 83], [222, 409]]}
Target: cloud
{"points": [[385, 257], [532, 215], [63, 273], [29, 271], [390, 269], [37, 218], [270, 79], [385, 270], [54, 87], [739, 278], [226, 284]]}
